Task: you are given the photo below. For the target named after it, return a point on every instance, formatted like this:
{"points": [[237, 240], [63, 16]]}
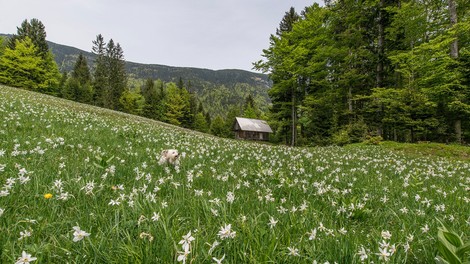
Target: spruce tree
{"points": [[81, 71], [100, 72], [78, 87], [151, 100], [200, 123], [117, 77], [174, 105], [36, 31]]}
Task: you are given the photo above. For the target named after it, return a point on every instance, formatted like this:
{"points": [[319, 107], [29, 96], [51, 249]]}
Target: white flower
{"points": [[362, 254], [186, 241], [24, 234], [293, 251], [312, 234], [386, 235], [183, 255], [384, 244], [213, 246], [383, 254], [272, 222], [225, 232], [79, 234], [114, 202], [218, 261], [2, 211], [25, 258], [155, 216], [230, 197], [425, 228], [406, 247], [343, 231]]}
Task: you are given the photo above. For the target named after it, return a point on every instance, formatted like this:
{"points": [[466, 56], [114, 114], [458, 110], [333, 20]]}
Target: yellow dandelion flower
{"points": [[48, 195]]}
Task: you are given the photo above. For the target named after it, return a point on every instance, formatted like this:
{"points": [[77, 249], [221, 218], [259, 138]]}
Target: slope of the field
{"points": [[81, 184]]}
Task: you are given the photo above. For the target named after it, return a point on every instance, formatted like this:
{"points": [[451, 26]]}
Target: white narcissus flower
{"points": [[25, 258], [293, 251], [219, 261], [79, 234], [226, 232], [362, 254], [186, 241], [183, 255], [386, 235]]}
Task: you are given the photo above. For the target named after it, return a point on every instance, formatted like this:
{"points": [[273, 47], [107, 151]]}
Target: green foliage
{"points": [[132, 102], [200, 123], [76, 91], [218, 127], [384, 62], [2, 45], [373, 140], [81, 72], [36, 32], [100, 71], [341, 138], [78, 87], [153, 99], [451, 247], [174, 105], [24, 67]]}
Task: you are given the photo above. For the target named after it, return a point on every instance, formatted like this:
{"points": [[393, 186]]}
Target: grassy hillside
{"points": [[82, 185]]}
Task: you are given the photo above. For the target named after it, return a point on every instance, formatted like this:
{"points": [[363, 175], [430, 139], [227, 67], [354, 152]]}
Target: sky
{"points": [[211, 34]]}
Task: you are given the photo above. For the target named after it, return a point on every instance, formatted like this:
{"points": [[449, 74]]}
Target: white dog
{"points": [[170, 156]]}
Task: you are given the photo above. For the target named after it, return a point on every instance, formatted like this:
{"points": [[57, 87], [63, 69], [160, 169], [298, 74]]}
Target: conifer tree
{"points": [[152, 100], [100, 72], [81, 71], [218, 127], [200, 123], [36, 31], [174, 105], [78, 87], [117, 77]]}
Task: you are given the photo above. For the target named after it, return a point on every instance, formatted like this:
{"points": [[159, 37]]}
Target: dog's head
{"points": [[170, 154]]}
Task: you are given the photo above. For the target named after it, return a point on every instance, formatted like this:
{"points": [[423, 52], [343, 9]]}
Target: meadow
{"points": [[81, 184]]}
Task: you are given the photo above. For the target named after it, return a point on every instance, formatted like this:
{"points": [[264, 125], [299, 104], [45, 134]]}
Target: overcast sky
{"points": [[212, 34]]}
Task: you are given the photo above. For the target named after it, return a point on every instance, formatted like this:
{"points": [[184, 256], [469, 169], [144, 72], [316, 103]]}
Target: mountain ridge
{"points": [[66, 56], [217, 89]]}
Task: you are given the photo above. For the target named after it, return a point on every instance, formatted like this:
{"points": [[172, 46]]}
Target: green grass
{"points": [[450, 151], [90, 158]]}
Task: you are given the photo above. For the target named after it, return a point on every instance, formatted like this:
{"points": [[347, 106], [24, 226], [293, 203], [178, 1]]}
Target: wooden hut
{"points": [[252, 129]]}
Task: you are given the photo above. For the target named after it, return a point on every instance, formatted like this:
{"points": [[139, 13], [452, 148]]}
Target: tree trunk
{"points": [[454, 53], [458, 130], [454, 47], [293, 119], [380, 46]]}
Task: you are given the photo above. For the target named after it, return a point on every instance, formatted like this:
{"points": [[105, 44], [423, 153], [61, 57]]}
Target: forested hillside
{"points": [[218, 89]]}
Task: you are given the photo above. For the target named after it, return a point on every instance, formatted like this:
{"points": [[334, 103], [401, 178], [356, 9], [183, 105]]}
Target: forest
{"points": [[26, 61], [341, 73], [351, 71]]}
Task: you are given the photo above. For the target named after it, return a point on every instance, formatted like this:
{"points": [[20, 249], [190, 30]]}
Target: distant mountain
{"points": [[217, 89], [66, 56]]}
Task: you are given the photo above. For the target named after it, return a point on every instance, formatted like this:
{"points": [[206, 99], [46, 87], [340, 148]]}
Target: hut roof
{"points": [[248, 124]]}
